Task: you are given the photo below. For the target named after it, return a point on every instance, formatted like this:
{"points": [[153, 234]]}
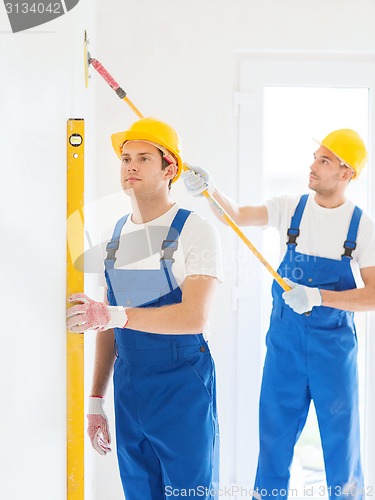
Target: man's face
{"points": [[141, 168], [326, 173]]}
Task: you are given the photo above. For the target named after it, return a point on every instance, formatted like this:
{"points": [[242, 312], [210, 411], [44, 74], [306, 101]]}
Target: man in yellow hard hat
{"points": [[311, 342], [156, 310]]}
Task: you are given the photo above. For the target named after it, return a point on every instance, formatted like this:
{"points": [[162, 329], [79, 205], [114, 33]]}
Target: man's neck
{"points": [[147, 210], [329, 201]]}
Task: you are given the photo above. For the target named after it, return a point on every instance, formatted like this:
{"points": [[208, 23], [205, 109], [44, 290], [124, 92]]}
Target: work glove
{"points": [[97, 427], [197, 180], [91, 315], [301, 298]]}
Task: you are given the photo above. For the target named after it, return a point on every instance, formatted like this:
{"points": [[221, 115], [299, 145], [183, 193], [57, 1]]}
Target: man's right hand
{"points": [[92, 315], [197, 180], [97, 428]]}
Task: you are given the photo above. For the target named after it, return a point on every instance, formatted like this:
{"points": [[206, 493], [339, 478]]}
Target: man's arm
{"points": [[356, 300], [243, 215], [197, 180], [98, 427], [188, 317], [104, 360]]}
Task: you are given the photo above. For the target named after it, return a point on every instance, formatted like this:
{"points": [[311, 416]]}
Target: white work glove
{"points": [[97, 427], [302, 298], [92, 315], [197, 180]]}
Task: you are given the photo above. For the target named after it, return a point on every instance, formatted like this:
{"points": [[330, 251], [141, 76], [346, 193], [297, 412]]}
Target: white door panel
{"points": [[256, 72]]}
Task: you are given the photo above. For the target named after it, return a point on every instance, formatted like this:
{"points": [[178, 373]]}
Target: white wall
{"points": [[41, 86], [176, 61]]}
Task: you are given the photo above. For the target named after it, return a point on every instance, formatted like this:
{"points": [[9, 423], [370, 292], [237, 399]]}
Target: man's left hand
{"points": [[302, 298]]}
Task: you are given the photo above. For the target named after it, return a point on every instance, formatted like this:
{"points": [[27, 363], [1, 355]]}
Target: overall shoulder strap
{"points": [[170, 244], [351, 238], [112, 246], [293, 231]]}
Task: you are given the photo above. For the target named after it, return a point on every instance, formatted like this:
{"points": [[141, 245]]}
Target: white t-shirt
{"points": [[198, 250], [323, 231]]}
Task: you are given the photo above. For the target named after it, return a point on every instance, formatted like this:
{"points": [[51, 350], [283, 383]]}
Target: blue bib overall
{"points": [[311, 356], [164, 389]]}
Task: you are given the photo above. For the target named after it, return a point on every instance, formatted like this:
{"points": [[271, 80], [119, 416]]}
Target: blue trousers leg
{"points": [[334, 387], [284, 404], [166, 427]]}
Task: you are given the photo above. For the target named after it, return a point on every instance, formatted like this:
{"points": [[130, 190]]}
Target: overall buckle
{"points": [[349, 246], [169, 247], [293, 235], [112, 248]]}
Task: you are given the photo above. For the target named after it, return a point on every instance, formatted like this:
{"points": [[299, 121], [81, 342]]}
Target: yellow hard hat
{"points": [[349, 148], [160, 134]]}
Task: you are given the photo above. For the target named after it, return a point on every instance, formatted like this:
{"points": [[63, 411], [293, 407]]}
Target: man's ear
{"points": [[348, 174], [170, 171]]}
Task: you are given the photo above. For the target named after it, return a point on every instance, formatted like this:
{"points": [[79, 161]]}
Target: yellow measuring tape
{"points": [[228, 219]]}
